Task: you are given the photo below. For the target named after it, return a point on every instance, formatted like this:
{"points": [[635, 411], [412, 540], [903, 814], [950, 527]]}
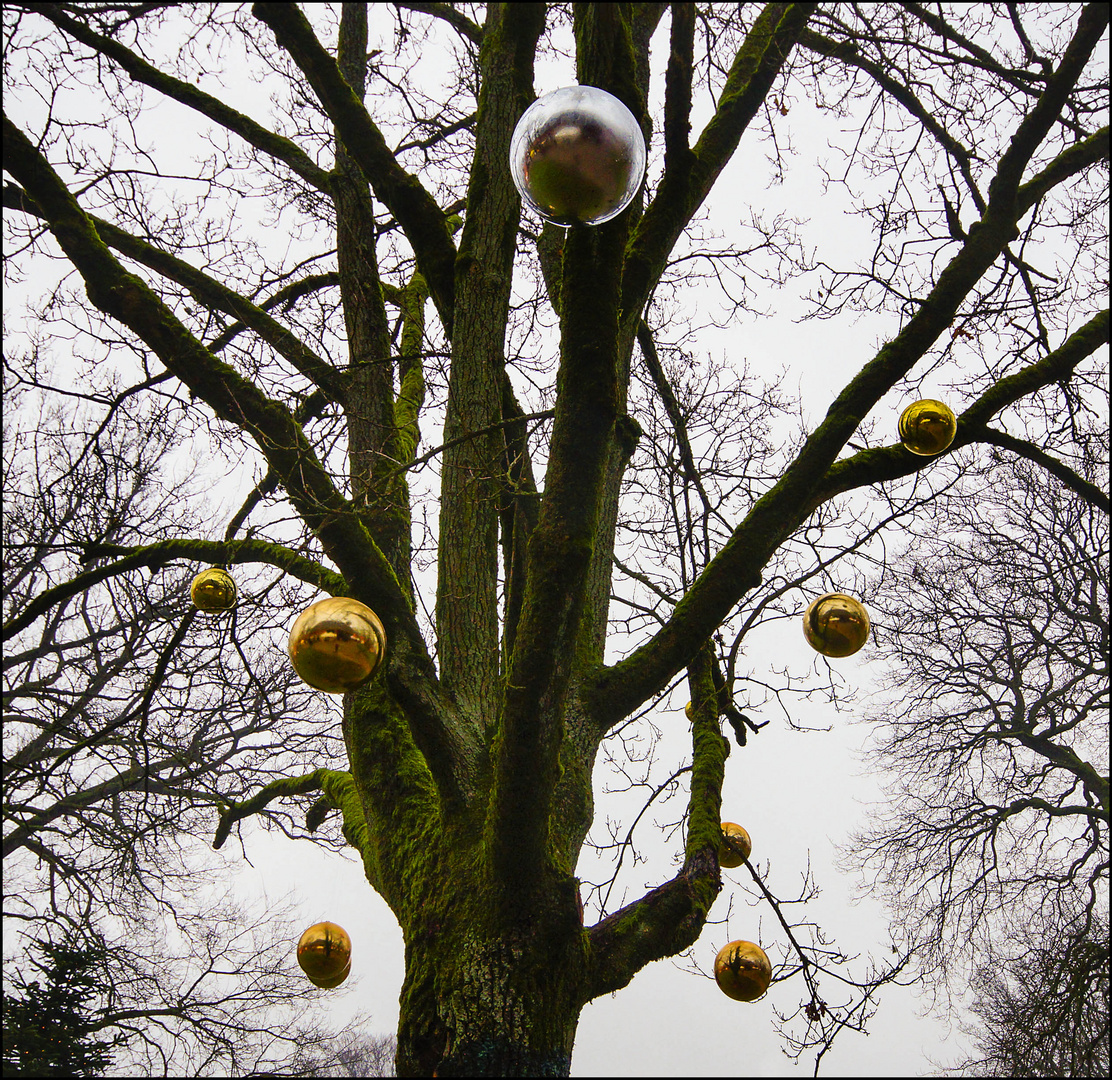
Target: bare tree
{"points": [[125, 720], [356, 1054], [994, 847], [273, 287], [1043, 1009]]}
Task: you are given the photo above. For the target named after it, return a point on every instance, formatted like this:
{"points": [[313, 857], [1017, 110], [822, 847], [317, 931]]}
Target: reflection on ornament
{"points": [[742, 970], [689, 710], [735, 846], [324, 953], [213, 590], [927, 427], [337, 644], [577, 156], [329, 984], [836, 624]]}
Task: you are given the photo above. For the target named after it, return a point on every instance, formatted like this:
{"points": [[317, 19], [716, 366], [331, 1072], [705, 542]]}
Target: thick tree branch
{"points": [[339, 792], [168, 551], [677, 89], [670, 918], [402, 193], [1089, 492], [455, 19], [1074, 159], [890, 462], [532, 728], [614, 692], [467, 616]]}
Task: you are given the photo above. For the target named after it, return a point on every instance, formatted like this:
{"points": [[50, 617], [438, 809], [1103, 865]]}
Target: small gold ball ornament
{"points": [[927, 427], [742, 970], [836, 625], [324, 953], [213, 590], [337, 644], [577, 156], [735, 846]]}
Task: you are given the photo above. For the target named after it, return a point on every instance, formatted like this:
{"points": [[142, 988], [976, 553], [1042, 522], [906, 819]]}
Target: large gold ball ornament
{"points": [[577, 156], [324, 953], [836, 624], [213, 590], [337, 644], [742, 970], [735, 846], [927, 427]]}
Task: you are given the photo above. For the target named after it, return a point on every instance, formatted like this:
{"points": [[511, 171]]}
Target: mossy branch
{"points": [[457, 20], [402, 193], [671, 917], [709, 750], [891, 462], [562, 542], [614, 692], [339, 793], [467, 615], [168, 551], [411, 373]]}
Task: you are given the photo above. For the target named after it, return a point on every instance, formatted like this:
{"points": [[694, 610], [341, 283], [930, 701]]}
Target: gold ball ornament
{"points": [[213, 590], [836, 625], [742, 970], [324, 953], [927, 427], [577, 156], [735, 846], [337, 644]]}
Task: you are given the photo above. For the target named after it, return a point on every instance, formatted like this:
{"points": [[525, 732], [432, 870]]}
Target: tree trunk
{"points": [[478, 1002]]}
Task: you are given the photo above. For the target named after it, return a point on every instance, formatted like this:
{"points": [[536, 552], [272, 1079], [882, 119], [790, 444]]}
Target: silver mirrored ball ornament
{"points": [[577, 156]]}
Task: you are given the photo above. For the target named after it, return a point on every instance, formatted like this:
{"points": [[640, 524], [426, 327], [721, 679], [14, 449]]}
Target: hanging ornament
{"points": [[324, 953], [577, 156], [742, 970], [213, 590], [735, 846], [836, 624], [337, 644], [927, 427]]}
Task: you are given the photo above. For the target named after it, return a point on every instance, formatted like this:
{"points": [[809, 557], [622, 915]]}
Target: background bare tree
{"points": [[309, 297], [1041, 1005], [994, 730], [126, 719]]}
